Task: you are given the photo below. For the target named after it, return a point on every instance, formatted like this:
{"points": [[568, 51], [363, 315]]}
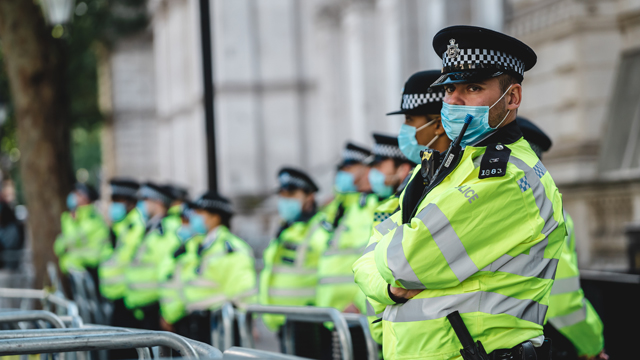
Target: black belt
{"points": [[524, 351]]}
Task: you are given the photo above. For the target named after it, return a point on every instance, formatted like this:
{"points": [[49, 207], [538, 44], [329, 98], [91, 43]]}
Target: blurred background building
{"points": [[294, 80]]}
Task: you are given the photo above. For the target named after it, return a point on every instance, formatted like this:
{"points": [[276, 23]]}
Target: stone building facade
{"points": [[296, 79]]}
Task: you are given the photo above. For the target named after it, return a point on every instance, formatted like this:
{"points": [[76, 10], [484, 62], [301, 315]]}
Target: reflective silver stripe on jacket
{"points": [[147, 285], [386, 226], [115, 280], [399, 265], [246, 294], [566, 285], [292, 270], [347, 279], [448, 242], [351, 251], [201, 282], [370, 248], [570, 319], [485, 302], [300, 292], [372, 312], [533, 264], [212, 302]]}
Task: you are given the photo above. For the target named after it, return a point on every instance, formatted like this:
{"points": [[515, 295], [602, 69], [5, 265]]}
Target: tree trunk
{"points": [[35, 65]]}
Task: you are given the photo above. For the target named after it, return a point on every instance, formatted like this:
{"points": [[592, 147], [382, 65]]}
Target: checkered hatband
{"points": [[353, 155], [118, 190], [209, 204], [288, 180], [411, 101], [385, 150], [474, 59], [147, 192]]}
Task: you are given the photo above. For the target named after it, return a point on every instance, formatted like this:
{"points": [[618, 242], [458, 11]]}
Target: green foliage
{"points": [[96, 24]]}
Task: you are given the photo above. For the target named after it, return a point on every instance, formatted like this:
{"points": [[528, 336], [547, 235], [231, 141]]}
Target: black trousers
{"points": [[123, 317], [196, 326], [561, 347]]}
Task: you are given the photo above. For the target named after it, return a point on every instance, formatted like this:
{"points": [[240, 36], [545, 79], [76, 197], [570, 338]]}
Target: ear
{"points": [[514, 97]]}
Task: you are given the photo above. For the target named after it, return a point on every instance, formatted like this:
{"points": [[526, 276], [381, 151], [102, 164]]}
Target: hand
{"points": [[164, 325], [404, 293], [601, 356], [351, 309]]}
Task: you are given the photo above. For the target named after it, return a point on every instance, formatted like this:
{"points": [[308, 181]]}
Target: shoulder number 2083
{"points": [[488, 172]]}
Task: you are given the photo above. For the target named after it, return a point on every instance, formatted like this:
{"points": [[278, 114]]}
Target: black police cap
{"points": [[88, 190], [179, 193], [471, 53], [124, 187], [418, 97], [386, 147], [153, 191], [354, 154], [533, 134], [291, 179], [214, 203]]}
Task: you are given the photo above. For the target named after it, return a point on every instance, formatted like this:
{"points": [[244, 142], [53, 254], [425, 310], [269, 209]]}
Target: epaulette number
{"points": [[494, 161], [489, 172]]}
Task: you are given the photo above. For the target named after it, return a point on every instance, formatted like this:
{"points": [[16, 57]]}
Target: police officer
{"points": [[422, 129], [390, 166], [180, 197], [160, 242], [84, 241], [484, 232], [573, 324], [123, 201], [290, 269]]}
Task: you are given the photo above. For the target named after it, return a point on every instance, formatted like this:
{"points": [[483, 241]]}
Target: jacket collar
{"points": [[507, 134]]}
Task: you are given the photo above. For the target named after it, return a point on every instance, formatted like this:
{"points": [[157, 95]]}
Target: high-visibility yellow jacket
{"points": [[174, 273], [487, 248], [385, 209], [225, 271], [290, 273], [350, 236], [129, 233], [84, 240], [569, 311], [142, 272]]}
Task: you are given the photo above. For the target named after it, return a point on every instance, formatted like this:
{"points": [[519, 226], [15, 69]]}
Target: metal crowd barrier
{"points": [[238, 353], [372, 346], [31, 315], [86, 297], [107, 341], [302, 314], [223, 337], [63, 306]]}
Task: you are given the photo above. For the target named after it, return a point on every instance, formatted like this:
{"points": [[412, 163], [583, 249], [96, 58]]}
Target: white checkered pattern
{"points": [[385, 150], [117, 190], [287, 179], [214, 205], [411, 101], [476, 58], [540, 169], [524, 184], [353, 155], [147, 192]]}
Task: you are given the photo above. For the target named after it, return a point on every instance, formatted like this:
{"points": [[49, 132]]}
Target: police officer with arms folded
{"points": [[84, 241], [160, 242], [573, 324], [422, 129], [290, 273], [481, 235]]}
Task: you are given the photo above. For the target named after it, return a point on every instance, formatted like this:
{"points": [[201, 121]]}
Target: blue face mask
{"points": [[185, 232], [289, 209], [197, 224], [377, 179], [117, 211], [345, 182], [142, 207], [72, 202], [453, 120], [409, 144]]}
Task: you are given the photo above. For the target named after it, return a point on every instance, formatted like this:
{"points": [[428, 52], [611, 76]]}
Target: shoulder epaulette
{"points": [[228, 247], [494, 161]]}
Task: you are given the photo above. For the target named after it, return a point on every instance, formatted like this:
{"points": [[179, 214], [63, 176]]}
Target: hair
{"points": [[397, 162], [507, 80]]}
